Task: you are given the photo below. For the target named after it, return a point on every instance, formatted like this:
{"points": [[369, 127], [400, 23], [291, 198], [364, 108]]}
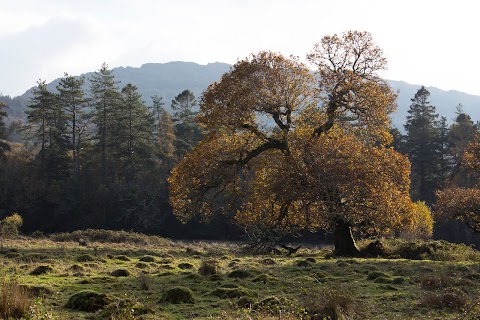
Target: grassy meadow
{"points": [[118, 275]]}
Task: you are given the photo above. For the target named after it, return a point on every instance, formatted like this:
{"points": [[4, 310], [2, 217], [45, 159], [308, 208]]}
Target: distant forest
{"points": [[100, 158]]}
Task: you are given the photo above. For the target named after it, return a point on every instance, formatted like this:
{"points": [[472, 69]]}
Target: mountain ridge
{"points": [[170, 78]]}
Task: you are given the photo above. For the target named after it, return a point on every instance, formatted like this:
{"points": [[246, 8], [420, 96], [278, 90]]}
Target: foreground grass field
{"points": [[115, 275]]}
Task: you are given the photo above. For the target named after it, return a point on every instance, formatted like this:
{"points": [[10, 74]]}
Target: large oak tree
{"points": [[287, 150]]}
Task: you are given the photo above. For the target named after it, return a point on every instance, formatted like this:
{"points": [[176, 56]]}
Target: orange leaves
{"points": [[286, 151], [460, 204]]}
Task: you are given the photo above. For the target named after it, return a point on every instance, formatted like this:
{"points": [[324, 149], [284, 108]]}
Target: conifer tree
{"points": [[187, 130], [421, 146], [105, 96], [72, 100], [133, 130], [46, 125]]}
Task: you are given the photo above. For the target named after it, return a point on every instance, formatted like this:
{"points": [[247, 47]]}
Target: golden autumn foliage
{"points": [[288, 150], [463, 203]]}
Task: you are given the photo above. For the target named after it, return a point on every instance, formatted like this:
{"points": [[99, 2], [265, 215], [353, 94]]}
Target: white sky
{"points": [[434, 43]]}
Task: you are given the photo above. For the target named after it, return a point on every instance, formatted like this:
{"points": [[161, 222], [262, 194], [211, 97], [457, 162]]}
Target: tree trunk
{"points": [[344, 242]]}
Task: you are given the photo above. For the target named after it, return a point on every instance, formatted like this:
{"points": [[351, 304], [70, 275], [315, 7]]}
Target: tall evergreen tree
{"points": [[46, 126], [133, 130], [4, 147], [72, 100], [422, 147], [105, 96], [187, 130], [444, 159]]}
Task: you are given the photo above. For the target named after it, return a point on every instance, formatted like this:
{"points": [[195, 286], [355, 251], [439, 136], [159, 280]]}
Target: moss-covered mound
{"points": [[177, 295], [147, 259], [89, 301], [41, 270], [231, 293], [120, 273], [240, 274]]}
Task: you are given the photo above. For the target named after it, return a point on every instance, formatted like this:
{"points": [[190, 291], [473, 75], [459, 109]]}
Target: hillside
{"points": [[169, 79]]}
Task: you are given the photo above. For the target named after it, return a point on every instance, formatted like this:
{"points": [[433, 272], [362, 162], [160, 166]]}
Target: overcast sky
{"points": [[434, 43]]}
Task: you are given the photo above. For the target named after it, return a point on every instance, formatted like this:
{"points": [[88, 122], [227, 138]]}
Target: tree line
{"points": [[95, 159], [438, 153]]}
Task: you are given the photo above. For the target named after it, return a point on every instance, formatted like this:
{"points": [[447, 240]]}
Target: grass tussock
{"points": [[15, 300], [331, 304], [209, 268]]}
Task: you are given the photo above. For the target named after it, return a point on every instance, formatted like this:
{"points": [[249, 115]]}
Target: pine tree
{"points": [[46, 126], [444, 159], [72, 100], [104, 98], [133, 130], [422, 147], [187, 130]]}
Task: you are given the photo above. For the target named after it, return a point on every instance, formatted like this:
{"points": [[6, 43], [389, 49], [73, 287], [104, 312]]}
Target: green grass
{"points": [[440, 281]]}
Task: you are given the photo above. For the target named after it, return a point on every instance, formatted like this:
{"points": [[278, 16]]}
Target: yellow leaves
{"points": [[287, 151]]}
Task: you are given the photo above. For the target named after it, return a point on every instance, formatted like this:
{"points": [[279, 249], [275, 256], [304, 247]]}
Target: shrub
{"points": [[14, 300], [9, 227], [89, 301], [420, 222], [177, 295]]}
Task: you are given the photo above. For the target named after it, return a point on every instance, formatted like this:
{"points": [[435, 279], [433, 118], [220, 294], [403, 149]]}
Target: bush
{"points": [[420, 222], [10, 225], [89, 301], [177, 295], [14, 300]]}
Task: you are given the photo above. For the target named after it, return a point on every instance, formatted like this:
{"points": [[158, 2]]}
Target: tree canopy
{"points": [[286, 150]]}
